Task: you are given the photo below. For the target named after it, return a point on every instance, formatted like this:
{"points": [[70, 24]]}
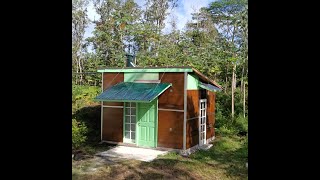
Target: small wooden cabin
{"points": [[157, 107]]}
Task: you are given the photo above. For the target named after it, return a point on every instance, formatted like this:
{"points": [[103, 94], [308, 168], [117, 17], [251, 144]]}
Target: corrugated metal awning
{"points": [[209, 87], [133, 92]]}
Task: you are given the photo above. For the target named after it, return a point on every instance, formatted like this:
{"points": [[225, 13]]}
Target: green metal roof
{"points": [[133, 92], [148, 69], [209, 87]]}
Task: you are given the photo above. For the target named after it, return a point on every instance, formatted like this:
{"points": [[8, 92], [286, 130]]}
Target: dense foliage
{"points": [[79, 131], [82, 96], [85, 114]]}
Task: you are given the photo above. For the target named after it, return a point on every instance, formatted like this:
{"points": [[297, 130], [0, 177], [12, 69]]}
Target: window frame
{"points": [[132, 113]]}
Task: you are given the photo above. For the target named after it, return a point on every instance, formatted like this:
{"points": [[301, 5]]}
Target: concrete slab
{"points": [[206, 146], [125, 152]]}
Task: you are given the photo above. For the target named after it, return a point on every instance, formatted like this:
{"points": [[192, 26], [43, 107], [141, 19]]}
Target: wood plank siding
{"points": [[112, 129], [110, 79], [112, 124], [172, 98], [170, 123], [193, 97], [211, 97], [170, 129]]}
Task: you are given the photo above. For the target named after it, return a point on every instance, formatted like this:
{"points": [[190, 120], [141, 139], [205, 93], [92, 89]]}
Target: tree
{"points": [[79, 23], [203, 45], [214, 42], [149, 35], [114, 30], [227, 15]]}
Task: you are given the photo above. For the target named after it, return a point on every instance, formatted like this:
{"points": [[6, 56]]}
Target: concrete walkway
{"points": [[125, 152]]}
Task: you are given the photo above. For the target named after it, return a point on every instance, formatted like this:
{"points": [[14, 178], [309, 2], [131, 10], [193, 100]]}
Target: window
{"points": [[130, 122], [203, 94]]}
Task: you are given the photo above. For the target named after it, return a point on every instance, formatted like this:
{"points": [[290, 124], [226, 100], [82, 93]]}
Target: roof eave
{"points": [[205, 78], [147, 69]]}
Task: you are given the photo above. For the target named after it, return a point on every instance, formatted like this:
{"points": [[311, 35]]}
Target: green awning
{"points": [[209, 87], [133, 92]]}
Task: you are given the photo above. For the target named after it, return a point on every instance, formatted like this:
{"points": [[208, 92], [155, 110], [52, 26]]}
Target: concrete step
{"points": [[206, 146]]}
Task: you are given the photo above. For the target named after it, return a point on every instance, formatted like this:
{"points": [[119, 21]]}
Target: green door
{"points": [[147, 124]]}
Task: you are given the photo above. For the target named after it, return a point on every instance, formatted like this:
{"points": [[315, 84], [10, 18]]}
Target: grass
{"points": [[225, 160]]}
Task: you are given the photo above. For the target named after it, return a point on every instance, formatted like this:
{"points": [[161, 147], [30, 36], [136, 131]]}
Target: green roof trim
{"points": [[209, 87], [133, 92], [147, 70]]}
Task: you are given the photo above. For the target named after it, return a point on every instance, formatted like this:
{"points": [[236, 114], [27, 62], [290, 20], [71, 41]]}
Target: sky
{"points": [[182, 13]]}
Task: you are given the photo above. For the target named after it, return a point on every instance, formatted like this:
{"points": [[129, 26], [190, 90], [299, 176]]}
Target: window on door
{"points": [[202, 121], [130, 122]]}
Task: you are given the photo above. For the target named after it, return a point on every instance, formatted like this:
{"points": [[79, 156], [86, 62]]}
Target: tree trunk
{"points": [[77, 75], [235, 81], [241, 86], [233, 77], [244, 100], [232, 91], [80, 71], [225, 89]]}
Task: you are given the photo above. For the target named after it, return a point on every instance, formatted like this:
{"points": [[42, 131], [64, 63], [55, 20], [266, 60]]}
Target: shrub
{"points": [[83, 96], [79, 131], [225, 124], [226, 131], [86, 111], [222, 120], [241, 123], [91, 117]]}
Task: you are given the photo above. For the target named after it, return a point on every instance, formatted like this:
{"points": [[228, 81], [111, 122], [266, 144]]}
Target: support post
{"points": [[185, 111]]}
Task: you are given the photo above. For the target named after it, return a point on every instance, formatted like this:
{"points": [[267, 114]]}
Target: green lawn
{"points": [[225, 160]]}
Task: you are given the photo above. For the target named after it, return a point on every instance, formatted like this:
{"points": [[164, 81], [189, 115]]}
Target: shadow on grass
{"points": [[131, 169], [157, 169]]}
